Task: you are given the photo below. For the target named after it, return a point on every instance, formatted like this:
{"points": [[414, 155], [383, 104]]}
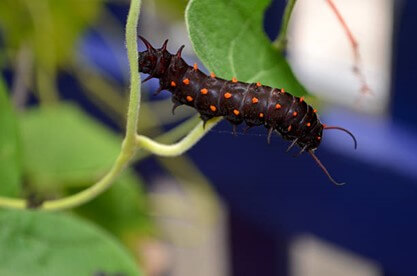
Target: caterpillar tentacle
{"points": [[236, 101], [355, 143], [324, 169]]}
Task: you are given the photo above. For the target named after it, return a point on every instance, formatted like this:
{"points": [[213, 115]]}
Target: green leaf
{"points": [[122, 210], [40, 243], [10, 162], [63, 147], [66, 150], [228, 37]]}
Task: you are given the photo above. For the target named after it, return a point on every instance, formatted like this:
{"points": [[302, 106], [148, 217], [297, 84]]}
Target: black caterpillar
{"points": [[252, 103]]}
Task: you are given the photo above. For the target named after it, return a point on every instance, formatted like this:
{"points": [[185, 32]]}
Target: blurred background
{"points": [[66, 69]]}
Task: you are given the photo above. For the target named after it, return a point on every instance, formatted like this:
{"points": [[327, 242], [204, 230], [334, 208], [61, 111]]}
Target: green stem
{"points": [[172, 135], [88, 194], [132, 54], [129, 143], [46, 86], [180, 147], [281, 42], [132, 141]]}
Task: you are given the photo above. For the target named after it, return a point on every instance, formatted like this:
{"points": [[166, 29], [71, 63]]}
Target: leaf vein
{"points": [[233, 44]]}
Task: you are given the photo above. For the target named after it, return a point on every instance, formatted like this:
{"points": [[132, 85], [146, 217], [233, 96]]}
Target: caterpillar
{"points": [[238, 102]]}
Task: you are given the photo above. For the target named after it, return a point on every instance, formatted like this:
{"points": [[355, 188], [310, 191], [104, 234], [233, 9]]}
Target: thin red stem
{"points": [[357, 68]]}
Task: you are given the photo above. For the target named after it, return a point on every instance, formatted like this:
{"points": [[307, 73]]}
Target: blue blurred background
{"points": [[281, 214]]}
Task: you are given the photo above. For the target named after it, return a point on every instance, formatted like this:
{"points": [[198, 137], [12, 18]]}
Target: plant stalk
{"points": [[281, 41]]}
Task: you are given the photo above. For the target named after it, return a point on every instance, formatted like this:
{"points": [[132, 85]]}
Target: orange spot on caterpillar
{"points": [[213, 108], [234, 80], [212, 75], [195, 66], [255, 100], [189, 99], [277, 106], [227, 95], [289, 128], [308, 124], [261, 115], [258, 84], [318, 138], [186, 81], [315, 111], [173, 84], [294, 113], [301, 99], [204, 91], [282, 90], [236, 112]]}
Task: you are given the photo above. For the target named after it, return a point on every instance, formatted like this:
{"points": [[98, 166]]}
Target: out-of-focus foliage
{"points": [[10, 168], [49, 27], [54, 150], [123, 209], [65, 150], [241, 49], [41, 243], [65, 147], [173, 9]]}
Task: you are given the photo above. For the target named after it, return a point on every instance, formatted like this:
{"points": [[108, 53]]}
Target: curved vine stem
{"points": [[281, 41], [180, 147], [129, 144], [132, 141], [171, 136]]}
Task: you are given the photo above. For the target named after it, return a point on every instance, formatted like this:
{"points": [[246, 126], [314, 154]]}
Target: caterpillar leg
{"points": [[247, 128], [205, 118], [268, 139], [176, 104], [158, 90], [234, 129], [292, 144], [147, 78], [301, 151]]}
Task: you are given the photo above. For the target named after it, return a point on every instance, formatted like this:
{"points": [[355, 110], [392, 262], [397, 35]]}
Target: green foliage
{"points": [[65, 147], [50, 27], [10, 161], [171, 9], [65, 150], [122, 209], [229, 39], [40, 243]]}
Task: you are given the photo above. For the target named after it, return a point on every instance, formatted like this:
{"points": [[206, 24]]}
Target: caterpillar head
{"points": [[154, 61], [311, 151], [312, 139]]}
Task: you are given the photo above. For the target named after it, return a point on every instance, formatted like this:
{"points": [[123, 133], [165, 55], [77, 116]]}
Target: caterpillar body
{"points": [[238, 102]]}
